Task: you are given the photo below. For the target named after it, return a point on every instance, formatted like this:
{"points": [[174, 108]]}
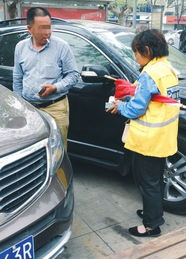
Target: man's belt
{"points": [[45, 104]]}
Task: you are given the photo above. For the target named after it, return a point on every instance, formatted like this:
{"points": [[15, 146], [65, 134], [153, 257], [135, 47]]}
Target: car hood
{"points": [[20, 123]]}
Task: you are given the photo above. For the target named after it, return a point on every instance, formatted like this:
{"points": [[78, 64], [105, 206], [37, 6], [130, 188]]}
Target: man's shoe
{"points": [[149, 232], [140, 213]]}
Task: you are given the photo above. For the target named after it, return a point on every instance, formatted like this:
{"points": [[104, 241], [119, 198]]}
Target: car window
{"points": [[122, 50], [7, 46], [176, 57], [178, 61], [84, 51], [125, 39]]}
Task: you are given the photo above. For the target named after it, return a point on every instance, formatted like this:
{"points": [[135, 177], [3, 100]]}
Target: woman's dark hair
{"points": [[36, 11], [153, 39]]}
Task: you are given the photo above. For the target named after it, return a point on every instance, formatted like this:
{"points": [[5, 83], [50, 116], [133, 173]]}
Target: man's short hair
{"points": [[36, 11]]}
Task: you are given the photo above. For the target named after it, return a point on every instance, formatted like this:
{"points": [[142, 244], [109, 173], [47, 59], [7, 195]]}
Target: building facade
{"points": [[82, 9], [174, 15]]}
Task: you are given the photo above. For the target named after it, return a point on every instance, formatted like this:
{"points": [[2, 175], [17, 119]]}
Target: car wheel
{"points": [[175, 184], [171, 41]]}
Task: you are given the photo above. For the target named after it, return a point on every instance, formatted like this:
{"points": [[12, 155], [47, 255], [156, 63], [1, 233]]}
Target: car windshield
{"points": [[176, 57], [125, 38], [123, 50], [178, 61]]}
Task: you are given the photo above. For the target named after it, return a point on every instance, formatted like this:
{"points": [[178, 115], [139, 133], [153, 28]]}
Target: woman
{"points": [[152, 134]]}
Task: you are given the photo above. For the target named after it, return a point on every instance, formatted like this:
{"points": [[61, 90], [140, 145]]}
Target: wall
{"points": [[72, 13]]}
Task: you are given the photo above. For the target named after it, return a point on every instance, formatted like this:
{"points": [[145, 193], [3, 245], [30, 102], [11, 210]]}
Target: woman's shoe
{"points": [[140, 213], [149, 232]]}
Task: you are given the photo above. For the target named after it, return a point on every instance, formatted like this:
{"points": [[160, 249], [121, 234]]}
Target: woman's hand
{"points": [[113, 109]]}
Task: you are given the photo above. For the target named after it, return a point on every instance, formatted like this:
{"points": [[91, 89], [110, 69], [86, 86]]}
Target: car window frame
{"points": [[118, 70]]}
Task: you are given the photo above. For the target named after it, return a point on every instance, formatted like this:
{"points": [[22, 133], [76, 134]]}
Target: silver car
{"points": [[36, 189]]}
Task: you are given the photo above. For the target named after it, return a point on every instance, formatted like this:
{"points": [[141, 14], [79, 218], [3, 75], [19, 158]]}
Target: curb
{"points": [[170, 246]]}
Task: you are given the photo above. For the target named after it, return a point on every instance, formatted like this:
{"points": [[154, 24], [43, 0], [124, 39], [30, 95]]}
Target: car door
{"points": [[93, 133]]}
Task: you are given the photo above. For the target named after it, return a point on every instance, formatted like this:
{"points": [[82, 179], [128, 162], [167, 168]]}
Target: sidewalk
{"points": [[170, 246], [105, 206]]}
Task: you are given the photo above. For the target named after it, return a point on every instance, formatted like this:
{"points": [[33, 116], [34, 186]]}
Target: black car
{"points": [[94, 135]]}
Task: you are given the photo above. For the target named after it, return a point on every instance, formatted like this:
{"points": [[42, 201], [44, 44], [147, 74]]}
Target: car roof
{"points": [[80, 26], [23, 20], [100, 25], [21, 23], [90, 25], [125, 33]]}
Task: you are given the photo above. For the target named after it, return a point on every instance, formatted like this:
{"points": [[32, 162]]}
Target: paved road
{"points": [[105, 205]]}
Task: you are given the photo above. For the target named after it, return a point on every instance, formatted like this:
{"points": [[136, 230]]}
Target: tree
{"points": [[152, 2], [179, 7], [11, 8], [121, 9]]}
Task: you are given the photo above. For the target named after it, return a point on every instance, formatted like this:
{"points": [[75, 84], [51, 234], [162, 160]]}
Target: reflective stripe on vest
{"points": [[157, 125]]}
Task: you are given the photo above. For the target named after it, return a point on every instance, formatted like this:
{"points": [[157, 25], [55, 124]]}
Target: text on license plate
{"points": [[22, 250]]}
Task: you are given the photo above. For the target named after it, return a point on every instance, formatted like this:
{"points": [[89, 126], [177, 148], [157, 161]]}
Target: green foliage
{"points": [[129, 3], [118, 3], [121, 2]]}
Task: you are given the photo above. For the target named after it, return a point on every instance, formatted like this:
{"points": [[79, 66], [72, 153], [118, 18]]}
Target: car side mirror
{"points": [[93, 73]]}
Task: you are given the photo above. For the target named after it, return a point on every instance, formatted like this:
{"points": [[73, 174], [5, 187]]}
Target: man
{"points": [[45, 69]]}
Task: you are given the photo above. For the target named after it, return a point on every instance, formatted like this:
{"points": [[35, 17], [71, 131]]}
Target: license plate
{"points": [[22, 250]]}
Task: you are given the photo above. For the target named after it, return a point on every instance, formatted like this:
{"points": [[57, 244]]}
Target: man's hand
{"points": [[49, 89]]}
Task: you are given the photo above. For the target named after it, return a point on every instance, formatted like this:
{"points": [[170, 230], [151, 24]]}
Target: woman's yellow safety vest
{"points": [[155, 133]]}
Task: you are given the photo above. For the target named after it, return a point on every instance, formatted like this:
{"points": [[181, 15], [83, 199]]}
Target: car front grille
{"points": [[21, 179]]}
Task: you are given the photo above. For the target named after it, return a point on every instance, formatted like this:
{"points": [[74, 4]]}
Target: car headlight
{"points": [[55, 145]]}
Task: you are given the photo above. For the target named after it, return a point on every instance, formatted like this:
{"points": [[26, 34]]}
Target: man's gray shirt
{"points": [[54, 64]]}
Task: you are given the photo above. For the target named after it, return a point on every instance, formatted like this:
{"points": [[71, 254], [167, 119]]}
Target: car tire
{"points": [[171, 41], [174, 197]]}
